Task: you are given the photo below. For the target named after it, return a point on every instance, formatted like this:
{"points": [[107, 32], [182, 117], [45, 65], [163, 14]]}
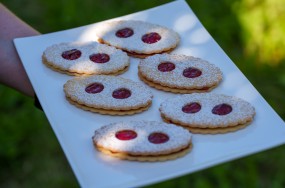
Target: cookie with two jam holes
{"points": [[112, 95], [179, 73], [138, 38], [143, 140], [85, 58], [208, 113]]}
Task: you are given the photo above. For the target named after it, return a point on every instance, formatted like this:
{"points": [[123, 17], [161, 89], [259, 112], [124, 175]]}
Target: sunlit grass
{"points": [[263, 29]]}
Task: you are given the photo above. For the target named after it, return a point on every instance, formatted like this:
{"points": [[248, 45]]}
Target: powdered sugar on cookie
{"points": [[77, 58], [132, 95], [180, 71], [215, 110], [178, 138], [137, 36]]}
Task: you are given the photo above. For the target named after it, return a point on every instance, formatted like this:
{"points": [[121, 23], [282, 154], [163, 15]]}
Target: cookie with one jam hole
{"points": [[138, 38], [85, 58], [143, 140], [179, 73], [208, 113], [111, 95]]}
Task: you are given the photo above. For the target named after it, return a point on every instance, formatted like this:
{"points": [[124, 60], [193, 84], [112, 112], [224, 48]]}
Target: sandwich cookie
{"points": [[111, 95], [88, 58], [143, 140], [208, 113], [179, 73], [138, 38]]}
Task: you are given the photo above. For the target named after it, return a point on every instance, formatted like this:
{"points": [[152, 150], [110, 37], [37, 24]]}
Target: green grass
{"points": [[29, 152], [30, 155]]}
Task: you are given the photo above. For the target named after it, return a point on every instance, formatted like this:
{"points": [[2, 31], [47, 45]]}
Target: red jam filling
{"points": [[126, 135], [124, 33], [94, 88], [99, 58], [191, 108], [222, 109], [166, 67], [192, 72], [71, 54], [121, 93], [158, 138], [150, 38]]}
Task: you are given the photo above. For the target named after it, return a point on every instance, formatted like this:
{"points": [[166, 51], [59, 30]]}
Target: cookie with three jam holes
{"points": [[143, 140], [111, 95], [179, 73], [208, 113], [137, 38], [85, 58]]}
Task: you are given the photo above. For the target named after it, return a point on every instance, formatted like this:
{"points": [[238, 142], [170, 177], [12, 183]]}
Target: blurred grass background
{"points": [[251, 32]]}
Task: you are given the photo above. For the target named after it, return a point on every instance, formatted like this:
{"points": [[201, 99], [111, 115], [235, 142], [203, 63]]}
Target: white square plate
{"points": [[75, 127]]}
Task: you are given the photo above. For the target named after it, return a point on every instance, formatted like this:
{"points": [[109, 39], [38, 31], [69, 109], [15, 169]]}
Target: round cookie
{"points": [[138, 38], [143, 140], [85, 58], [179, 73], [207, 113], [108, 94]]}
